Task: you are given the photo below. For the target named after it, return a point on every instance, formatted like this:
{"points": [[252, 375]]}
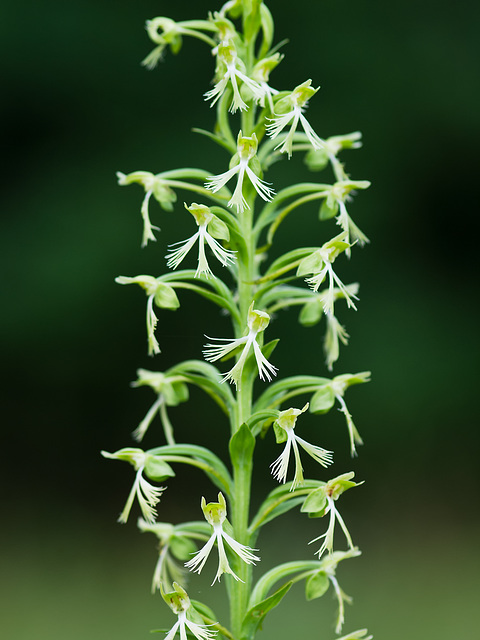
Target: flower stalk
{"points": [[257, 124]]}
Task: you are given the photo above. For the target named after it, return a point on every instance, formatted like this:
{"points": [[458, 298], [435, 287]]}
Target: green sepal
{"points": [[182, 548], [177, 393], [316, 159], [164, 195], [157, 469], [310, 264], [218, 229], [328, 209], [254, 617], [311, 313], [315, 502], [341, 483], [280, 434], [316, 585], [165, 297], [241, 446], [322, 400]]}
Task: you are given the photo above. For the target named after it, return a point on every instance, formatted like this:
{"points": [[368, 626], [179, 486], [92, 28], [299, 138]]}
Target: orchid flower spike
{"points": [[233, 71], [215, 514], [290, 110], [284, 427], [246, 153], [257, 321], [180, 604], [320, 264], [209, 227], [147, 495]]}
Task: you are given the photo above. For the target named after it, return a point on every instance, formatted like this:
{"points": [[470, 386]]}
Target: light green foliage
{"points": [[236, 216]]}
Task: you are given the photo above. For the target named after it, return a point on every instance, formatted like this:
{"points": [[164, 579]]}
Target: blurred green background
{"points": [[76, 107]]}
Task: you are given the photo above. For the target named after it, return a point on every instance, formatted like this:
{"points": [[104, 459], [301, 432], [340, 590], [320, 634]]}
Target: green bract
{"points": [[238, 214]]}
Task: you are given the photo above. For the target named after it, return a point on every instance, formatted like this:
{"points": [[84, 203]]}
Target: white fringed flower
{"points": [[180, 604], [246, 151], [322, 502], [159, 292], [205, 219], [320, 264], [215, 514], [285, 431], [147, 495], [257, 321], [290, 110], [228, 59], [153, 185], [327, 544]]}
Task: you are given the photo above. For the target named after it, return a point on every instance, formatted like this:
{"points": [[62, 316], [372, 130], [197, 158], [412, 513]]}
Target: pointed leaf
{"points": [[254, 617], [241, 446]]}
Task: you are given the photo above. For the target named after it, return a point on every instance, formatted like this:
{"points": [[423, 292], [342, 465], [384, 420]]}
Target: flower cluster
{"points": [[236, 215]]}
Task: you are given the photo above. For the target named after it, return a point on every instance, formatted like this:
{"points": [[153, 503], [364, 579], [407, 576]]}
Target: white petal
{"points": [[175, 256], [278, 123], [280, 465], [224, 256], [171, 634], [217, 182], [261, 187], [265, 368], [241, 550], [319, 454], [197, 563], [315, 141], [213, 352], [199, 630]]}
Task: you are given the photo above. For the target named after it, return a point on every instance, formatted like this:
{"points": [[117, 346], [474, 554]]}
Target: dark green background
{"points": [[77, 107]]}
